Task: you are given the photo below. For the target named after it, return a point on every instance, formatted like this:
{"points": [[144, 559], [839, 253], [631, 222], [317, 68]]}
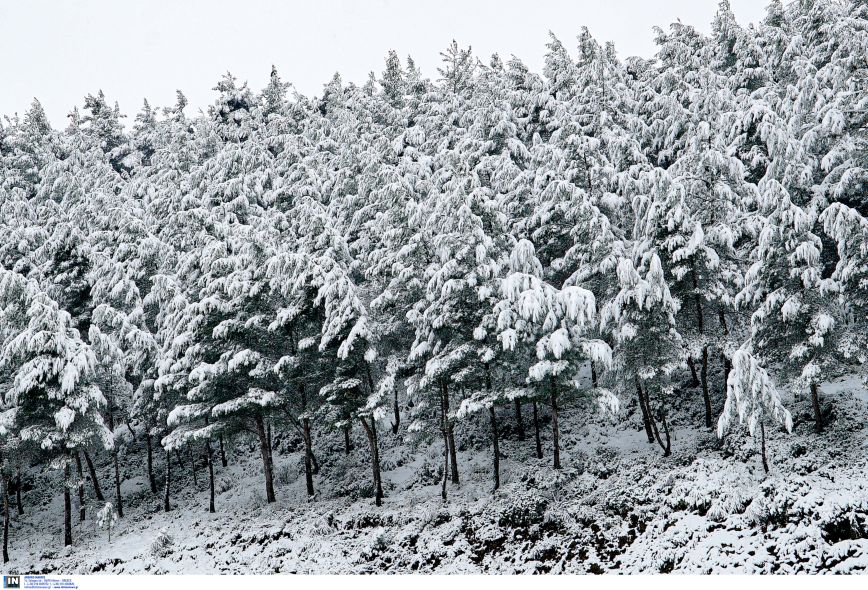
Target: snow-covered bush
{"points": [[162, 545]]}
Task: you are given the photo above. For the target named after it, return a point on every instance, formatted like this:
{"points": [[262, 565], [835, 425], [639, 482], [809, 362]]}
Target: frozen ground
{"points": [[617, 506]]}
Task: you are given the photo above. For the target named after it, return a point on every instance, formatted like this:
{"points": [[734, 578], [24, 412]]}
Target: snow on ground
{"points": [[617, 506]]}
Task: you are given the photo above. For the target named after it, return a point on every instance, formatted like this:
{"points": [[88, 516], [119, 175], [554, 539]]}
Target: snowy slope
{"points": [[617, 506]]}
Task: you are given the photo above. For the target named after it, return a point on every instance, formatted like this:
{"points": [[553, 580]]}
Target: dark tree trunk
{"points": [[270, 447], [266, 463], [166, 506], [815, 403], [81, 504], [111, 425], [397, 410], [151, 478], [667, 446], [450, 436], [593, 373], [646, 412], [308, 456], [5, 518], [371, 431], [96, 489], [193, 466], [18, 504], [496, 464], [347, 446], [556, 435], [705, 395], [120, 506], [67, 506], [210, 458], [518, 420], [695, 377], [763, 446], [539, 453], [222, 453], [494, 442]]}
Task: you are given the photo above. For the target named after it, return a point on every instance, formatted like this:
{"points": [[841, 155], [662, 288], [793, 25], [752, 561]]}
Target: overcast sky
{"points": [[60, 50]]}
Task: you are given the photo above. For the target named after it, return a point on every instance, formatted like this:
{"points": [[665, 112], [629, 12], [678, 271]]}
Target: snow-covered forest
{"points": [[562, 316]]}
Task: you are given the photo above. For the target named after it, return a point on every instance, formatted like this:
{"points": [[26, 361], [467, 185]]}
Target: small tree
{"points": [[107, 518]]}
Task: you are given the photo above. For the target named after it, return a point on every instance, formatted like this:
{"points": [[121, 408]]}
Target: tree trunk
{"points": [[347, 446], [518, 420], [646, 413], [222, 453], [120, 505], [308, 456], [705, 396], [493, 416], [166, 506], [67, 506], [371, 431], [266, 463], [151, 478], [209, 457], [5, 518], [539, 454], [815, 403], [96, 489], [763, 446], [556, 435], [667, 446], [449, 434], [397, 423], [81, 504], [692, 365], [193, 466], [593, 374], [18, 504], [445, 441]]}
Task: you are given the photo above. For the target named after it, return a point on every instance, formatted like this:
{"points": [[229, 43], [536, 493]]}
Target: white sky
{"points": [[61, 50]]}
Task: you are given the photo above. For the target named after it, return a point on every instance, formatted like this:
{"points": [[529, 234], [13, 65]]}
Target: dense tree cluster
{"points": [[410, 252]]}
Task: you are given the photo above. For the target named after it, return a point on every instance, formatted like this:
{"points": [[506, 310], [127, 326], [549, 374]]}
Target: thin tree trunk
{"points": [[763, 445], [18, 504], [266, 464], [166, 506], [646, 413], [667, 446], [347, 446], [593, 374], [397, 410], [518, 420], [222, 453], [151, 478], [209, 457], [120, 506], [539, 453], [493, 417], [445, 443], [705, 395], [692, 365], [96, 489], [556, 435], [371, 431], [815, 403], [67, 506], [81, 504], [193, 466], [450, 435], [495, 444], [5, 518], [308, 457]]}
